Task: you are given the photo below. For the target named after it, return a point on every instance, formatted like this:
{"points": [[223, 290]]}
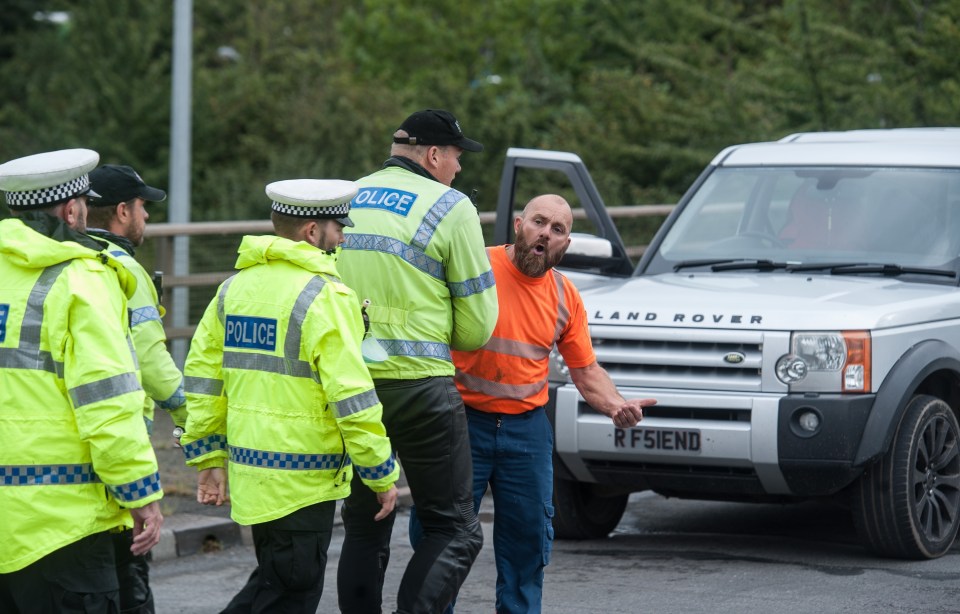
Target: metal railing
{"points": [[213, 265]]}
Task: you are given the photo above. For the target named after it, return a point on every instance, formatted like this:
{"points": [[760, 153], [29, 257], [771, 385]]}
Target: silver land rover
{"points": [[797, 316]]}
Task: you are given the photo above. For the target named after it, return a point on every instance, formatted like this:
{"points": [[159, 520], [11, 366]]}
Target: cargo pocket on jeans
{"points": [[547, 532]]}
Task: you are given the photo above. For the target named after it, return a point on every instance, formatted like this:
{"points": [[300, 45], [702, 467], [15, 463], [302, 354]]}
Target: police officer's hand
{"points": [[212, 486], [388, 501], [147, 521], [631, 412]]}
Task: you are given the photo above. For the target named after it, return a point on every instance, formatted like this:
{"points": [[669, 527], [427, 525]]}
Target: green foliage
{"points": [[647, 92]]}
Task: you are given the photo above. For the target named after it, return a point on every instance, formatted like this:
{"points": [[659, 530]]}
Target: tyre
{"points": [[582, 512], [906, 504]]}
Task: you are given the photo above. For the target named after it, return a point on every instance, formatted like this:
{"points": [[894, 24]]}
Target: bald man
{"points": [[504, 388]]}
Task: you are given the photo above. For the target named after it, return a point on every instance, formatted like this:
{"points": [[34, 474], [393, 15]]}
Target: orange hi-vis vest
{"points": [[508, 375]]}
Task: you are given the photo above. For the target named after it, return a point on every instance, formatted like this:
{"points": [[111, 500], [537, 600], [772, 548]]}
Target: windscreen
{"points": [[910, 217]]}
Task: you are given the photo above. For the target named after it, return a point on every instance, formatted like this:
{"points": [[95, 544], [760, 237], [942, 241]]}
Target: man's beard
{"points": [[530, 262]]}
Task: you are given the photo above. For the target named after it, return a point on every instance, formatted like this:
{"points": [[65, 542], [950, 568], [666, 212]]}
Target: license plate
{"points": [[667, 440]]}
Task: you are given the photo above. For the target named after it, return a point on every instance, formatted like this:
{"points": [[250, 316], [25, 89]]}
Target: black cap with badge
{"points": [[435, 127], [119, 184]]}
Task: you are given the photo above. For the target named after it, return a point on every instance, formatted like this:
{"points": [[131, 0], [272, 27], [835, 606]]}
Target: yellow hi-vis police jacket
{"points": [[417, 253], [73, 446], [161, 379], [276, 383]]}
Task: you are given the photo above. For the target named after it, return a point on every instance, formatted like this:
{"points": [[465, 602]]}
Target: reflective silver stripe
{"points": [[28, 355], [423, 349], [310, 292], [476, 285], [144, 314], [439, 210], [356, 403], [178, 398], [203, 385], [221, 297], [29, 358], [37, 475], [516, 348], [497, 389], [281, 365], [563, 314], [388, 245], [104, 389], [133, 352], [33, 316]]}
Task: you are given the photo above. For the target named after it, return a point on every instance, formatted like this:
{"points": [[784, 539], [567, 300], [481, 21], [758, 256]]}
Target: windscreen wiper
{"points": [[857, 268], [688, 264], [743, 265]]}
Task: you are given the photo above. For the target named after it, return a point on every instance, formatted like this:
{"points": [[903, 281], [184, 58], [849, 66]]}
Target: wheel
{"points": [[582, 512], [906, 504]]}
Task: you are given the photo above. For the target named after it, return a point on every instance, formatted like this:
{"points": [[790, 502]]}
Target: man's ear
{"points": [[433, 157], [70, 212], [123, 211], [310, 232]]}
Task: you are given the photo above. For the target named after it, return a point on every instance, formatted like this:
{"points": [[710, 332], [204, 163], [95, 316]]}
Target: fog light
{"points": [[809, 421]]}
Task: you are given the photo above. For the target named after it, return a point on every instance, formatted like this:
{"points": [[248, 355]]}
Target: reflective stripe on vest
{"points": [[52, 475], [375, 473], [36, 475], [356, 403], [203, 385], [134, 491], [422, 349], [520, 349], [205, 446], [144, 314], [286, 460], [104, 389], [415, 254], [176, 399], [28, 355]]}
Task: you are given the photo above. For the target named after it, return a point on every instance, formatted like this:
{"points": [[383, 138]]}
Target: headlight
{"points": [[827, 362]]}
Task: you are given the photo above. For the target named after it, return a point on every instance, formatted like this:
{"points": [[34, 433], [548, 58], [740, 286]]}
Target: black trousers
{"points": [[291, 559], [78, 578], [133, 573], [428, 429]]}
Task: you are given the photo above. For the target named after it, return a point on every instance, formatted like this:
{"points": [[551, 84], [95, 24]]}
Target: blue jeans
{"points": [[514, 455]]}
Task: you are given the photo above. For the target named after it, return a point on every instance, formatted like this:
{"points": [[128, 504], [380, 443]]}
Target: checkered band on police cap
{"points": [[47, 178], [313, 198]]}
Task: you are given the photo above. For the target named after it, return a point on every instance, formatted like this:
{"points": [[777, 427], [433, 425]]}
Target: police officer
{"points": [[118, 216], [74, 451], [276, 382], [417, 253]]}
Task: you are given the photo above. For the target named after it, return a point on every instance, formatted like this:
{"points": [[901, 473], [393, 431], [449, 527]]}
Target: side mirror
{"points": [[588, 252]]}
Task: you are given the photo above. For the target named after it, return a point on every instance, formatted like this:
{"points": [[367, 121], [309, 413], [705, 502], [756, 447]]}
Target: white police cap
{"points": [[49, 178], [313, 198]]}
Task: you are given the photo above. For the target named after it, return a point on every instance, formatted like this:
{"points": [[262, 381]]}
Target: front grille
{"points": [[682, 359]]}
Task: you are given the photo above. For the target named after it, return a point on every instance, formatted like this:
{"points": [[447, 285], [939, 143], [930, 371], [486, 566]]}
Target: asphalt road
{"points": [[666, 556]]}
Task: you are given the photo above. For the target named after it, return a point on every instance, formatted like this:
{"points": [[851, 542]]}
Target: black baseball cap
{"points": [[435, 127], [117, 184]]}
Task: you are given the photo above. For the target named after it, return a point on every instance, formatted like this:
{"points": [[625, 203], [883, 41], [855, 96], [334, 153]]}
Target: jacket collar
{"points": [[55, 228], [410, 165], [119, 240], [262, 249]]}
